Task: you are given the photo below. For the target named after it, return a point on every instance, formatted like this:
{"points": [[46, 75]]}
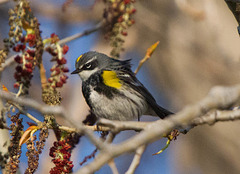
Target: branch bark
{"points": [[55, 110], [136, 160], [218, 98], [192, 115]]}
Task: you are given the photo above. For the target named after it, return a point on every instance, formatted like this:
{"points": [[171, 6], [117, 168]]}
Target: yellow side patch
{"points": [[110, 79], [79, 58]]}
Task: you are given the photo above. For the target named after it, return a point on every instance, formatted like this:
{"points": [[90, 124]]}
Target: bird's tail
{"points": [[160, 111]]}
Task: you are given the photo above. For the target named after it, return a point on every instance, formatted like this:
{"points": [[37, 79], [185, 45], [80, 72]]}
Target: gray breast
{"points": [[127, 106]]}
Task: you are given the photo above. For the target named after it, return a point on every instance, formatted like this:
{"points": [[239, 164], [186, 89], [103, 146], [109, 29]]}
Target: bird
{"points": [[111, 89]]}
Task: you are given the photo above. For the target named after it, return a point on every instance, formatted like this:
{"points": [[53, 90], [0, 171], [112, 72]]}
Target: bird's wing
{"points": [[130, 79]]}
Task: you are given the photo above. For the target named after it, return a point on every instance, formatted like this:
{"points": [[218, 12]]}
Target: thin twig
{"points": [[111, 137], [85, 33], [113, 167], [68, 129], [216, 116], [111, 163], [25, 113], [136, 160]]}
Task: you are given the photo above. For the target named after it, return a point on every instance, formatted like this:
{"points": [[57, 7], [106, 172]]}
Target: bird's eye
{"points": [[88, 65]]}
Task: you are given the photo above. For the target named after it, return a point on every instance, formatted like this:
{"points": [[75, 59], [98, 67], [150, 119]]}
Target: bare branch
{"points": [[43, 108], [113, 167], [117, 126], [55, 110], [7, 63], [85, 33], [216, 116], [68, 129], [218, 98], [136, 160], [209, 118], [25, 113]]}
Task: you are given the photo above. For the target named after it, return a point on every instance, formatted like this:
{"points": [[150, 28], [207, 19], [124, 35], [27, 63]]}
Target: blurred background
{"points": [[199, 48]]}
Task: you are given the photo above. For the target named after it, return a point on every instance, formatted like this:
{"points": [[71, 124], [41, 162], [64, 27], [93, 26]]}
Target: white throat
{"points": [[84, 75]]}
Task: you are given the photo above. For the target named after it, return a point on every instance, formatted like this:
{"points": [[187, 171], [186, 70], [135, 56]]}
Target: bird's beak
{"points": [[76, 71]]}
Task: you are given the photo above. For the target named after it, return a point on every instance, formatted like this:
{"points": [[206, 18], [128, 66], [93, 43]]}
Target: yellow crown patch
{"points": [[79, 58], [110, 79]]}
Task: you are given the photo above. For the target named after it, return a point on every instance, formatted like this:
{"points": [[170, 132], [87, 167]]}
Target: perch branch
{"points": [[218, 98]]}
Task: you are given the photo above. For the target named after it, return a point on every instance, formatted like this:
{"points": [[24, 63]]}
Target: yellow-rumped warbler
{"points": [[112, 90]]}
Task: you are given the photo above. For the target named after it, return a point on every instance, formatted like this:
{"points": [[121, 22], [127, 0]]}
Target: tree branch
{"points": [[55, 110], [25, 113], [218, 98], [113, 167], [136, 160], [216, 116], [85, 33], [7, 63]]}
